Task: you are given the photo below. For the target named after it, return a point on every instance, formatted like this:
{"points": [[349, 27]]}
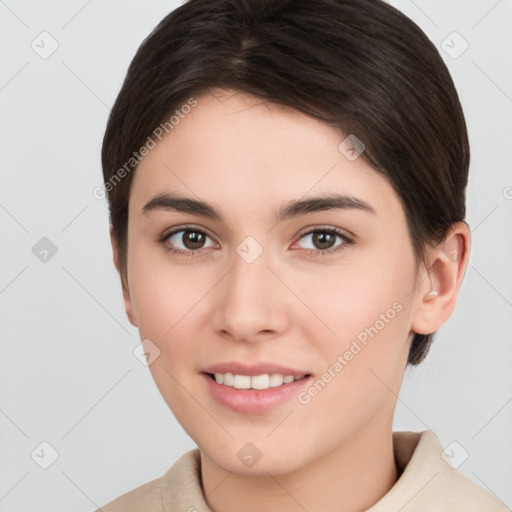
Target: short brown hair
{"points": [[358, 65]]}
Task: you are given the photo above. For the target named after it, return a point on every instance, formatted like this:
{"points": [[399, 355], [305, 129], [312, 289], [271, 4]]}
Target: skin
{"points": [[291, 305]]}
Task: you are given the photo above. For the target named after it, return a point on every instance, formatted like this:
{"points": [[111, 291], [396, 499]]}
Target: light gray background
{"points": [[68, 375]]}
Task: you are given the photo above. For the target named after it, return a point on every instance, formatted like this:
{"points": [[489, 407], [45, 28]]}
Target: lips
{"points": [[254, 401], [256, 388]]}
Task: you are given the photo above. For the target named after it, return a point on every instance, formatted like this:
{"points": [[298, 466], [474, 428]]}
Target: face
{"points": [[276, 276]]}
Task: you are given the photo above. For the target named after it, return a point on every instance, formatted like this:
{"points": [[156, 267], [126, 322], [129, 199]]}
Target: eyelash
{"points": [[316, 252]]}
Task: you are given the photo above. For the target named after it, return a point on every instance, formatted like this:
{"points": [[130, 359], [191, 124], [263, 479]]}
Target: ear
{"points": [[128, 306], [439, 287]]}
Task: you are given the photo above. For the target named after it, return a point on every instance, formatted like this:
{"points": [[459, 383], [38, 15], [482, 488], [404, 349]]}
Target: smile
{"points": [[254, 394], [263, 381]]}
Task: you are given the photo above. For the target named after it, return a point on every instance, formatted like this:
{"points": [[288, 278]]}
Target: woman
{"points": [[286, 182]]}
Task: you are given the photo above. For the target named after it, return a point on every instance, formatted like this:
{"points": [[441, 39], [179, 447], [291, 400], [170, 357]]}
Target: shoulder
{"points": [[428, 482], [457, 490], [462, 494], [147, 497]]}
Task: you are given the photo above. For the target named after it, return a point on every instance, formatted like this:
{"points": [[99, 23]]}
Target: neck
{"points": [[351, 478]]}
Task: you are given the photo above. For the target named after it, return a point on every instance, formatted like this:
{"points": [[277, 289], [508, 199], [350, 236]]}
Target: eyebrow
{"points": [[296, 208]]}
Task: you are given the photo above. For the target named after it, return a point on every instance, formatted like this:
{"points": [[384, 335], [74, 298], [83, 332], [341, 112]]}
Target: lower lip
{"points": [[254, 401]]}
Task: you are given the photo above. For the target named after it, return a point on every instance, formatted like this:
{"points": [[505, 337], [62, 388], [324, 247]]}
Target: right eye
{"points": [[186, 241]]}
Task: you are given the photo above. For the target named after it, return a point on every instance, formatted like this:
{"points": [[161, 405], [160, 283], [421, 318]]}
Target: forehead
{"points": [[240, 151]]}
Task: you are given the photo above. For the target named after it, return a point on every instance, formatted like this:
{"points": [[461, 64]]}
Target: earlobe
{"points": [[439, 287], [128, 306]]}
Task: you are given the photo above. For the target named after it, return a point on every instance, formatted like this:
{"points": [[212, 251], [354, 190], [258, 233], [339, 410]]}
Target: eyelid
{"points": [[185, 227], [345, 233], [304, 231]]}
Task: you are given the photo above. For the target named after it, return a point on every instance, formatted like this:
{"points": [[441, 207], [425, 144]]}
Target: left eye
{"points": [[324, 239]]}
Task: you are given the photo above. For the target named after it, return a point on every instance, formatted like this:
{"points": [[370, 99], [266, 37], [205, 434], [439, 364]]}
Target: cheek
{"points": [[368, 307], [363, 361], [357, 295], [163, 295], [166, 302]]}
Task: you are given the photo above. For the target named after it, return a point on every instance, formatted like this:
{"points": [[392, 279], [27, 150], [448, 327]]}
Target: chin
{"points": [[249, 460]]}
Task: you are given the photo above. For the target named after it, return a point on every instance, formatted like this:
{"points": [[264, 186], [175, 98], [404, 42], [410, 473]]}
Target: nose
{"points": [[251, 303]]}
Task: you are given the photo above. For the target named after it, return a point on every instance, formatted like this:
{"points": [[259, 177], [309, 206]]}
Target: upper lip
{"points": [[253, 369]]}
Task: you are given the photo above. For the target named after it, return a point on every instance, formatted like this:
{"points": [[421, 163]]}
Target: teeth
{"points": [[275, 379], [241, 382], [264, 381], [260, 381]]}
